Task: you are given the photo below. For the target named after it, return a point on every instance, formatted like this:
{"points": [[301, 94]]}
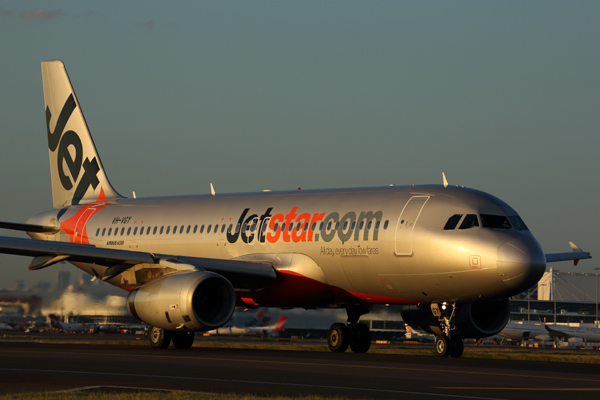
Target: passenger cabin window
{"points": [[452, 222], [385, 225], [469, 222], [518, 223], [495, 221], [135, 231]]}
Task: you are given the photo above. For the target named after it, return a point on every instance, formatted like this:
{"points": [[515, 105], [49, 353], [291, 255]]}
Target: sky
{"points": [[502, 96]]}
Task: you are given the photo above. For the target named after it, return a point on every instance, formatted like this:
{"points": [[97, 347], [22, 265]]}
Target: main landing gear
{"points": [[355, 335], [161, 339]]}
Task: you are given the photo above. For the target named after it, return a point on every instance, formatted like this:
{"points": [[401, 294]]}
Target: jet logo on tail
{"points": [[65, 140]]}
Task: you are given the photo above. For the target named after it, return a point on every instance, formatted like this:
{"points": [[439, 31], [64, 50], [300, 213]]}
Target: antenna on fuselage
{"points": [[212, 189], [445, 180]]}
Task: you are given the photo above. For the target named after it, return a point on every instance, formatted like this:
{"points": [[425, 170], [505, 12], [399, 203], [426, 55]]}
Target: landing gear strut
{"points": [[355, 335]]}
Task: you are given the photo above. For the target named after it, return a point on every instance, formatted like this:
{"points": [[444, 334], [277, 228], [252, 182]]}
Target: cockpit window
{"points": [[469, 222], [495, 221], [452, 222], [517, 223]]}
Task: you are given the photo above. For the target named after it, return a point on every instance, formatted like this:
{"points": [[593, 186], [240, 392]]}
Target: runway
{"points": [[53, 367]]}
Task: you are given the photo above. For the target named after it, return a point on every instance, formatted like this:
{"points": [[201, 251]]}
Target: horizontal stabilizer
{"points": [[29, 227]]}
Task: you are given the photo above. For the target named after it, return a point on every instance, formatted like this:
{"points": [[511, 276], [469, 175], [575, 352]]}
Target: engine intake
{"points": [[193, 301], [472, 320]]}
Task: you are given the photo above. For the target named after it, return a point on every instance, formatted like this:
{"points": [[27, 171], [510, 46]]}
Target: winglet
{"points": [[445, 180], [576, 249], [212, 189], [574, 246]]}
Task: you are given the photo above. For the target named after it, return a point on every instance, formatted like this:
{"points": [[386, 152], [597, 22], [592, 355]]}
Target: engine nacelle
{"points": [[193, 301], [472, 320]]}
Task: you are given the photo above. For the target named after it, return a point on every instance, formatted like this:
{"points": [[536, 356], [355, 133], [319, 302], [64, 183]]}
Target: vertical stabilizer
{"points": [[77, 173]]}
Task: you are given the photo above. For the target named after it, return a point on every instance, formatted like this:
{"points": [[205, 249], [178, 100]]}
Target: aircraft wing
{"points": [[557, 334], [575, 255], [241, 274]]}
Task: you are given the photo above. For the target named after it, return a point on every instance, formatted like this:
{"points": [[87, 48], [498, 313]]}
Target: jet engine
{"points": [[471, 320], [193, 301]]}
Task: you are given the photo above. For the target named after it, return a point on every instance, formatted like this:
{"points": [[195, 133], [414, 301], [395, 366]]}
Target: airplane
{"points": [[454, 254], [412, 334], [519, 332], [6, 327], [573, 333], [263, 331], [56, 323]]}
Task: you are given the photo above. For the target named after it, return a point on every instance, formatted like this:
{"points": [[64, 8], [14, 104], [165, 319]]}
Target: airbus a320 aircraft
{"points": [[455, 253]]}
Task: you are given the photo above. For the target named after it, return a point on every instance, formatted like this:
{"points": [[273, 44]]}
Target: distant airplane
{"points": [[573, 333], [56, 323], [6, 327], [541, 332], [457, 254], [252, 331], [413, 334], [520, 332]]}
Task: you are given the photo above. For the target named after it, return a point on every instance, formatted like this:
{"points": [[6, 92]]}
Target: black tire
{"points": [[159, 338], [338, 338], [360, 340], [457, 347], [442, 346], [183, 340]]}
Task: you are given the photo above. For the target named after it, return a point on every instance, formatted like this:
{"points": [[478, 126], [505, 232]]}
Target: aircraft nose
{"points": [[521, 263]]}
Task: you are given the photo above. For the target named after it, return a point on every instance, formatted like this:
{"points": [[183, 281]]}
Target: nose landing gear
{"points": [[447, 344]]}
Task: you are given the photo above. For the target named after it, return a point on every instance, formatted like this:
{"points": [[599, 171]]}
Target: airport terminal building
{"points": [[561, 297]]}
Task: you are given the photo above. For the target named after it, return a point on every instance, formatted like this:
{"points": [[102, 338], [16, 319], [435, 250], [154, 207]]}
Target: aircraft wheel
{"points": [[183, 340], [338, 337], [360, 340], [442, 346], [457, 347], [159, 338]]}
